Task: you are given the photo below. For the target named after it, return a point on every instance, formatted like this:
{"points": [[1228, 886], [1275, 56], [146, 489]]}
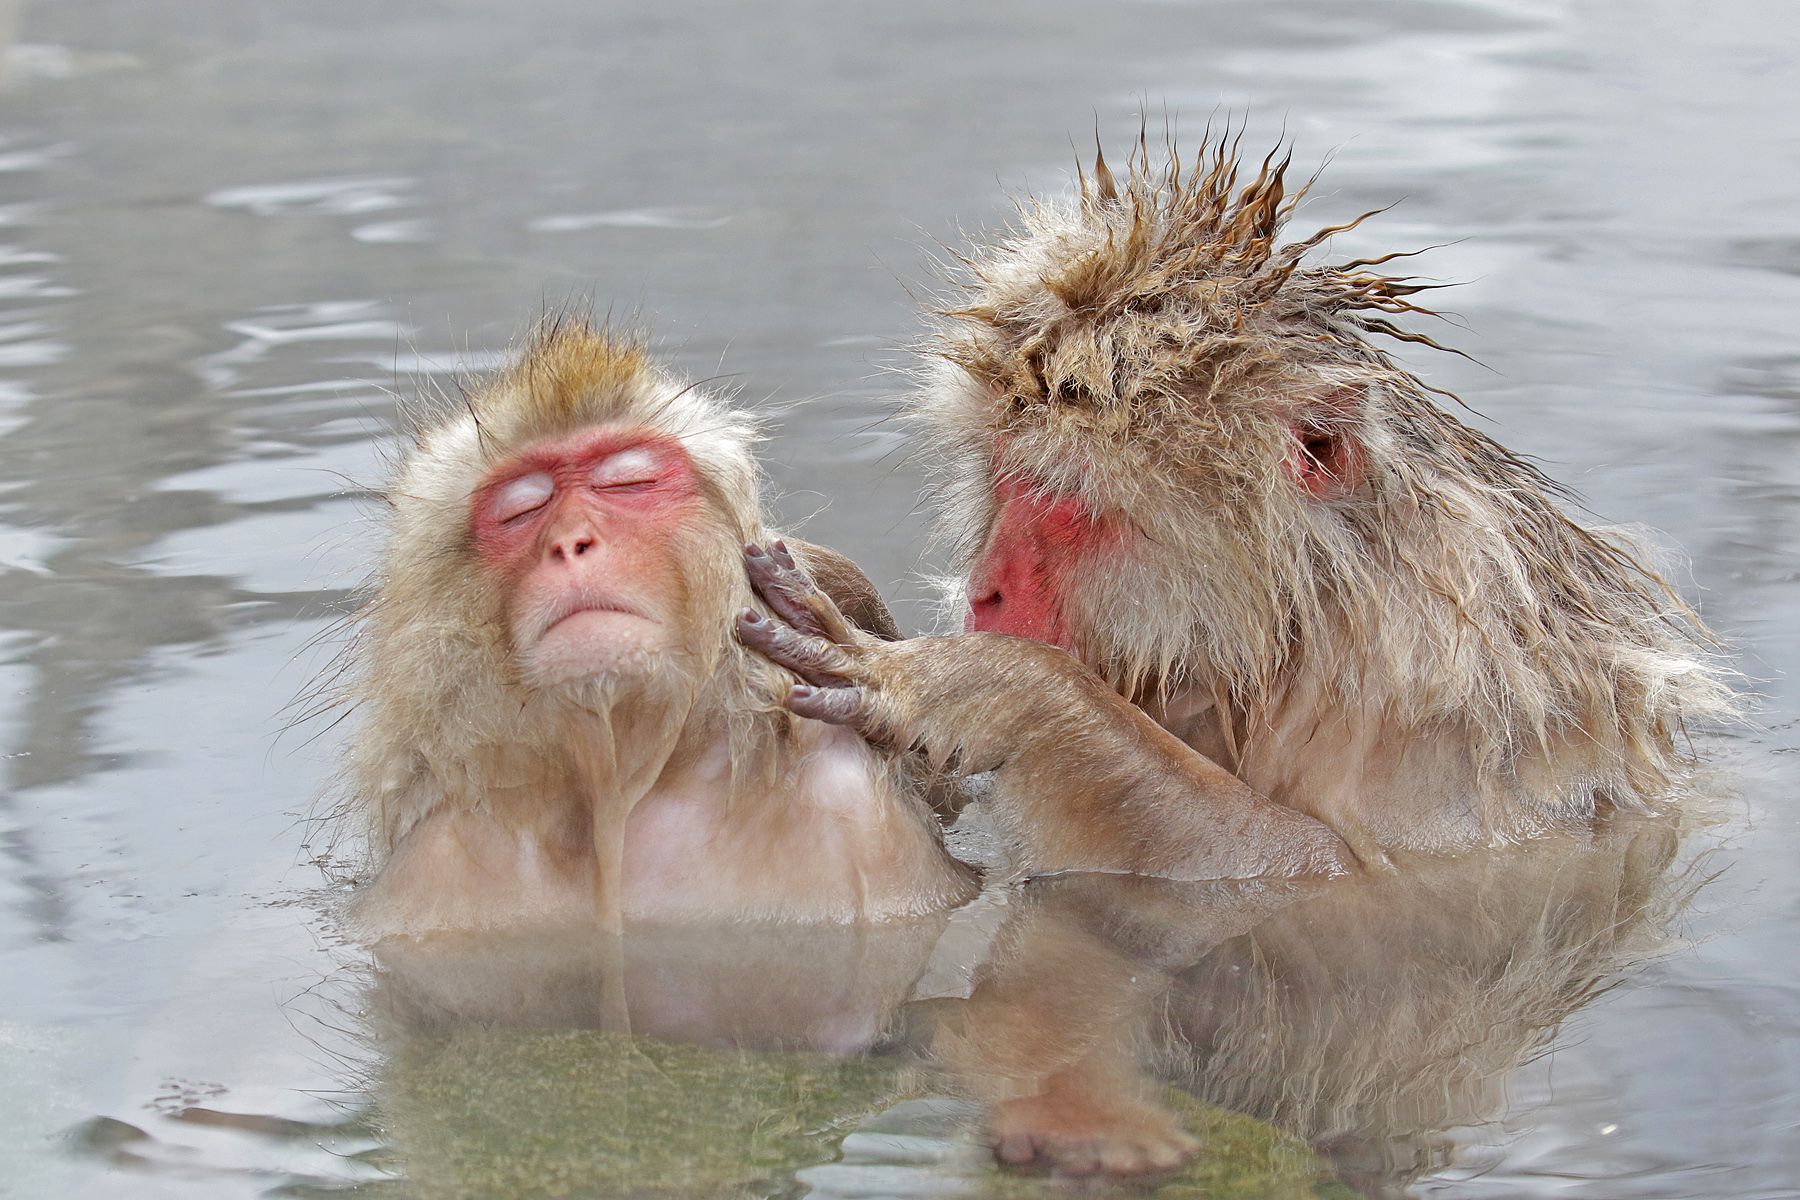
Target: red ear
{"points": [[1326, 461]]}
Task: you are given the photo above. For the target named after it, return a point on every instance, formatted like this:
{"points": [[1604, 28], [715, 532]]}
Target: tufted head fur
{"points": [[445, 716], [1305, 531]]}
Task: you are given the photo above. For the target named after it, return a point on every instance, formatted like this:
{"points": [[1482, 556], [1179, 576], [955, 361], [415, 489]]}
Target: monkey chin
{"points": [[596, 646]]}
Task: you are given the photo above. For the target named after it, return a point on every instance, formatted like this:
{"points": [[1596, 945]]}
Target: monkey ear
{"points": [[1327, 461]]}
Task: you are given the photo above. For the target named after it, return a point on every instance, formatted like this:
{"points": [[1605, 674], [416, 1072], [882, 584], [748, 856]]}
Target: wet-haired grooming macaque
{"points": [[1286, 580], [557, 724], [1174, 448]]}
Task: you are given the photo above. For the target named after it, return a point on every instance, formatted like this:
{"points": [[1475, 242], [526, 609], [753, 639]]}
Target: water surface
{"points": [[230, 234]]}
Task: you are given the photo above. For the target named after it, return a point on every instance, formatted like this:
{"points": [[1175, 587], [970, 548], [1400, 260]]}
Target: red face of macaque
{"points": [[1039, 543], [1035, 546], [584, 533]]}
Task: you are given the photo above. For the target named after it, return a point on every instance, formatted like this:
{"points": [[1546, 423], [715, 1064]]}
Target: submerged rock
{"points": [[494, 1112]]}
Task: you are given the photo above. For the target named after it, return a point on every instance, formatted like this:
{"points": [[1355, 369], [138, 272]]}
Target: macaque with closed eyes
{"points": [[557, 724]]}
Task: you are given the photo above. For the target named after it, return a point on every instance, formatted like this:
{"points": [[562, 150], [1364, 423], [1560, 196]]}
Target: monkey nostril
{"points": [[989, 601], [563, 549]]}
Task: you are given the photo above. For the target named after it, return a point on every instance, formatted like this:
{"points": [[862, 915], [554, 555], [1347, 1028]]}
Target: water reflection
{"points": [[1370, 1018], [1619, 185], [832, 988], [676, 1060]]}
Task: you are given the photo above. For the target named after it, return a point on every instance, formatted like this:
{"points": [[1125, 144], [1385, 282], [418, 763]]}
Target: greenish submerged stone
{"points": [[503, 1113]]}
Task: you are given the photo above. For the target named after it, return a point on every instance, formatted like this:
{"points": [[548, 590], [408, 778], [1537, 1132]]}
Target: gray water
{"points": [[229, 233]]}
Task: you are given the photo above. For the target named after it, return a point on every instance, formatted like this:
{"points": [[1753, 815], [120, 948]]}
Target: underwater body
{"points": [[222, 264]]}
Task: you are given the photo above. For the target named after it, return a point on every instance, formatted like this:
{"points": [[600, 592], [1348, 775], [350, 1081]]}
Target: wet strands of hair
{"points": [[1311, 570], [556, 723]]}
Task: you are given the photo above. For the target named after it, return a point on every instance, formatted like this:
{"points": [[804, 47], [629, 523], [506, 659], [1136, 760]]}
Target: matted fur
{"points": [[1152, 345], [444, 718]]}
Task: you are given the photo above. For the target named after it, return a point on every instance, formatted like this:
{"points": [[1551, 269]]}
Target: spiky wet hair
{"points": [[1153, 345]]}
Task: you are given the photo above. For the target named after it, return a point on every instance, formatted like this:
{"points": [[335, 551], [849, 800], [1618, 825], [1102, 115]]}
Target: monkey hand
{"points": [[947, 697], [1083, 780], [969, 702], [808, 635]]}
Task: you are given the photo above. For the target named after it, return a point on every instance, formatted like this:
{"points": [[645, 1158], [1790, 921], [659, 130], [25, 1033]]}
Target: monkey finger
{"points": [[778, 551], [819, 604], [787, 589], [811, 657], [832, 705], [775, 582]]}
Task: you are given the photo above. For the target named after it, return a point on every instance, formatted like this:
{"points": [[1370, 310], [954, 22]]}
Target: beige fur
{"points": [[457, 749], [1444, 629], [447, 721]]}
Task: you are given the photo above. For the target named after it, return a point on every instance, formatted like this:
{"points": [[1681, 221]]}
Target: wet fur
{"points": [[447, 725], [1443, 629]]}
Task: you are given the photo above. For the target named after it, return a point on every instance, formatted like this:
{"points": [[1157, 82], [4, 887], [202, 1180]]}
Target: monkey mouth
{"points": [[572, 609], [592, 638], [584, 609]]}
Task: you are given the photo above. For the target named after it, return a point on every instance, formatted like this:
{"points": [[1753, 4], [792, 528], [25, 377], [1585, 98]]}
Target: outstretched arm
{"points": [[1083, 780]]}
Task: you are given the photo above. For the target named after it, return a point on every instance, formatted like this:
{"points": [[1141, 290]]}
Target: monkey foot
{"points": [[1081, 1136]]}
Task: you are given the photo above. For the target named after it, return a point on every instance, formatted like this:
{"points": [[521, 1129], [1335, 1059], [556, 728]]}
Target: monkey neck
{"points": [[620, 741]]}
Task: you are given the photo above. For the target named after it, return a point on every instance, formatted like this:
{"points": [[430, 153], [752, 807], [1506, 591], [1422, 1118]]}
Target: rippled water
{"points": [[229, 233]]}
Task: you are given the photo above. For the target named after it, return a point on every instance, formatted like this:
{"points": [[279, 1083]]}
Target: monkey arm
{"points": [[1082, 779]]}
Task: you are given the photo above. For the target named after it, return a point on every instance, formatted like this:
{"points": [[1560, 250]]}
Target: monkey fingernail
{"points": [[750, 617]]}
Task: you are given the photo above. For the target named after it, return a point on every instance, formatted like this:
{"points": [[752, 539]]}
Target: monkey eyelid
{"points": [[634, 467], [521, 496]]}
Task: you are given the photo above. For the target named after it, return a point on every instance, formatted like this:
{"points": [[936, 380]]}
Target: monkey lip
{"points": [[590, 639], [593, 608]]}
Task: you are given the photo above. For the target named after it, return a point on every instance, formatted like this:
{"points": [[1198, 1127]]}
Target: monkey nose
{"points": [[984, 606], [571, 546]]}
